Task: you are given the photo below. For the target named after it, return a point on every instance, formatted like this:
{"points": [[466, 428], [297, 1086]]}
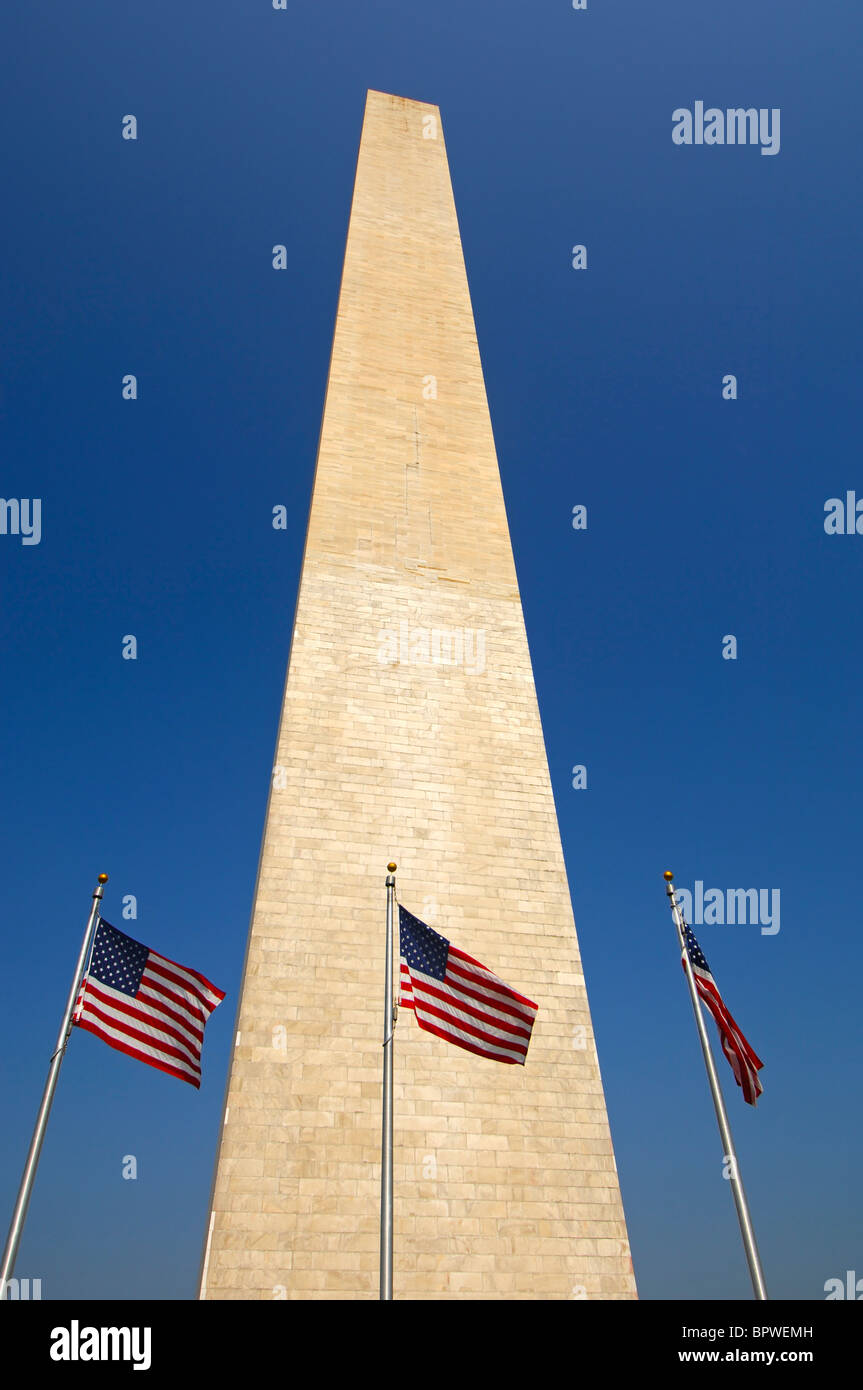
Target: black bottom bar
{"points": [[250, 1339]]}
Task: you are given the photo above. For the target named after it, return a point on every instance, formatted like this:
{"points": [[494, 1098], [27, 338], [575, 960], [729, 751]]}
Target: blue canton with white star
{"points": [[696, 955], [117, 960], [423, 949]]}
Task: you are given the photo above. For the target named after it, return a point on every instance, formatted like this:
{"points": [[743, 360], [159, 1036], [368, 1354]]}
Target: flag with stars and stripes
{"points": [[744, 1062], [142, 1003], [455, 997]]}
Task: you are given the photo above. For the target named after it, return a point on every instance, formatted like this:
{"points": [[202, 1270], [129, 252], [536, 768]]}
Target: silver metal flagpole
{"points": [[19, 1215], [387, 1120], [746, 1229]]}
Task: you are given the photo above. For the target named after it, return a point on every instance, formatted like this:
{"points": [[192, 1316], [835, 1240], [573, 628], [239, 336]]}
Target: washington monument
{"points": [[410, 732]]}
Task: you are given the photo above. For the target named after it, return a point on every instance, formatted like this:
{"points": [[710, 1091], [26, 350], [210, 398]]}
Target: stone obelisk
{"points": [[410, 732]]}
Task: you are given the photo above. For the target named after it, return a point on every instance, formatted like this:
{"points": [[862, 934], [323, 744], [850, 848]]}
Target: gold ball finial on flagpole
{"points": [[391, 868], [103, 878], [668, 875]]}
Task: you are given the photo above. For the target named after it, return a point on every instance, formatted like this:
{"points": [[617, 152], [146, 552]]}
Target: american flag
{"points": [[142, 1003], [455, 997], [744, 1063]]}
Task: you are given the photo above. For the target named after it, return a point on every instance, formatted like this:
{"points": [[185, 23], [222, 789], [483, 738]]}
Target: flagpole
{"points": [[19, 1215], [386, 1263], [746, 1229]]}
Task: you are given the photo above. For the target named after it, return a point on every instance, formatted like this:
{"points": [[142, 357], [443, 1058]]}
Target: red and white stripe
{"points": [[744, 1061], [470, 1007], [163, 1024]]}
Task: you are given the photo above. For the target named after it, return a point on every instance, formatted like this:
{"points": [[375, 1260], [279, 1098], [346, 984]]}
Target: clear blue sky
{"points": [[705, 518]]}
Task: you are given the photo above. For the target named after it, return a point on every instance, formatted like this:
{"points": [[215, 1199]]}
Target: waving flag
{"points": [[744, 1063], [461, 1001], [146, 1005]]}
